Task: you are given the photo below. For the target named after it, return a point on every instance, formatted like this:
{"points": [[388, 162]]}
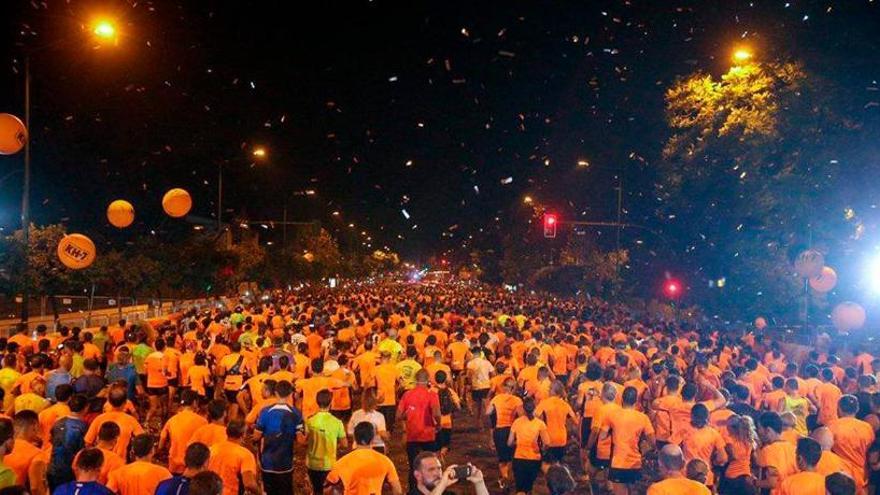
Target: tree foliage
{"points": [[745, 180], [192, 265]]}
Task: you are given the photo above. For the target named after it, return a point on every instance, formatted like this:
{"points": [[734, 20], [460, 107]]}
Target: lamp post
{"points": [[259, 153], [103, 31]]}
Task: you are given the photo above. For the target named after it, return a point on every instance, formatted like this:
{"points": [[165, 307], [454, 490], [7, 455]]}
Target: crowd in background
{"points": [[571, 394]]}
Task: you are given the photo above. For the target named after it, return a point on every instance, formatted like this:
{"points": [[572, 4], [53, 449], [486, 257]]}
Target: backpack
{"points": [[67, 438], [446, 403]]}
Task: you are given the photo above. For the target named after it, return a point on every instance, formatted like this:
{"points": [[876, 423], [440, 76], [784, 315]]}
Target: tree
{"points": [[126, 274], [43, 273], [738, 183], [315, 254]]}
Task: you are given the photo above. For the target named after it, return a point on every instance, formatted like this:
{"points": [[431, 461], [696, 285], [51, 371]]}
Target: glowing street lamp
{"points": [[742, 55], [105, 30], [260, 152], [528, 200]]}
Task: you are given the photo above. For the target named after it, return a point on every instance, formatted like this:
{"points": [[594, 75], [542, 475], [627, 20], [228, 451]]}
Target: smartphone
{"points": [[462, 472]]}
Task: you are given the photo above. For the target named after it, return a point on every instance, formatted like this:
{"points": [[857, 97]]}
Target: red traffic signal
{"points": [[672, 289], [550, 222]]}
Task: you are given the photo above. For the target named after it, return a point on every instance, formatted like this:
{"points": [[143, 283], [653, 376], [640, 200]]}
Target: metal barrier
{"points": [[85, 318]]}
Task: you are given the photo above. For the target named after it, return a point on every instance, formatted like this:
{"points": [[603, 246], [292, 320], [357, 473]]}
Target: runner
{"points": [[363, 470], [527, 434]]}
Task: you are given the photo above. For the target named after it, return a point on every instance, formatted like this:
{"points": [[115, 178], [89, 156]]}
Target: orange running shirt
{"points": [[780, 455], [852, 437], [19, 460], [701, 443], [678, 486], [230, 460], [197, 378], [128, 428], [386, 384], [47, 418], [627, 427], [740, 459], [589, 391], [555, 412], [603, 445], [156, 366], [209, 434], [362, 472], [831, 463], [505, 406], [527, 432], [458, 351], [178, 430], [310, 388], [803, 483], [137, 478], [366, 365], [663, 409], [828, 394]]}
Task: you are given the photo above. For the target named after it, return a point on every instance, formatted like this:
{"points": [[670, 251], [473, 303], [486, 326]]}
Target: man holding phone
{"points": [[432, 479]]}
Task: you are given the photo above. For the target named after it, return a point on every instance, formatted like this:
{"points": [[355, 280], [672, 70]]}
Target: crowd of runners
{"points": [[571, 395]]}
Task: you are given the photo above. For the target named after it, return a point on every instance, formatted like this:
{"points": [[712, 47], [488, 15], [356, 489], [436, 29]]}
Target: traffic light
{"points": [[550, 225], [672, 289]]}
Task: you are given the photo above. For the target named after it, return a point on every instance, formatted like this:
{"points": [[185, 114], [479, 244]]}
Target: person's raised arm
{"points": [[448, 479], [478, 481]]}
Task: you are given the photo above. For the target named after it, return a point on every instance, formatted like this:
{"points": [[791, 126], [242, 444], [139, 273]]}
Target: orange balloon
{"points": [[13, 134], [848, 316], [120, 213], [76, 251], [825, 281], [177, 203]]}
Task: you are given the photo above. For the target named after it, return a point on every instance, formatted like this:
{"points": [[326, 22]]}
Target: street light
{"points": [[259, 153], [103, 30], [742, 55]]}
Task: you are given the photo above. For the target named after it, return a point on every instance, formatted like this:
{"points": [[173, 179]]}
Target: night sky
{"points": [[451, 111]]}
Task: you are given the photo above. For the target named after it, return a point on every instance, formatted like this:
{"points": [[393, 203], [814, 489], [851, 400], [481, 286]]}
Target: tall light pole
{"points": [[259, 153], [103, 31]]}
